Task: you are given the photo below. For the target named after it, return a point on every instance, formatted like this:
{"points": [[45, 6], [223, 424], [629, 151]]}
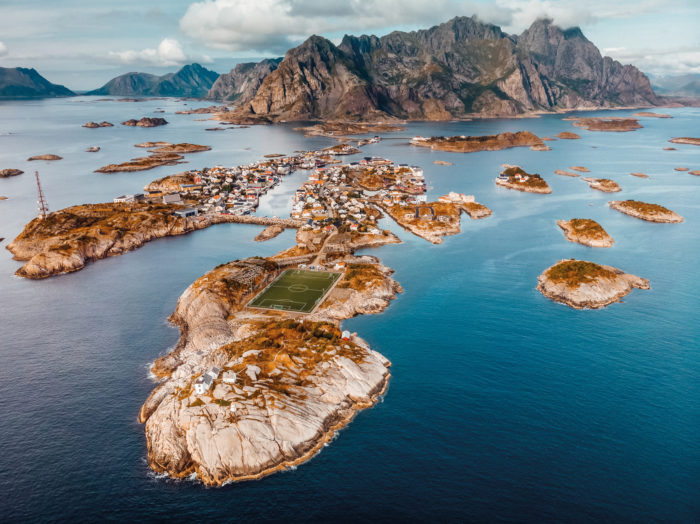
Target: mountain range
{"points": [[20, 82], [191, 81], [459, 68], [687, 85]]}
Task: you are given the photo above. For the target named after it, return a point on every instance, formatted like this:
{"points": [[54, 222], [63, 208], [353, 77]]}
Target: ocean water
{"points": [[503, 406]]}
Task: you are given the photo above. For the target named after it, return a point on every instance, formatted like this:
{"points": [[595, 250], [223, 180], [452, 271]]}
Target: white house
{"points": [[204, 382]]}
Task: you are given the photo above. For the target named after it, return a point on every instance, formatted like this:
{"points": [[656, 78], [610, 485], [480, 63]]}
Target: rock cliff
{"points": [[241, 84], [458, 68]]}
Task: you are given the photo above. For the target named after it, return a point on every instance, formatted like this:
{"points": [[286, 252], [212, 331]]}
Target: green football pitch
{"points": [[297, 290]]}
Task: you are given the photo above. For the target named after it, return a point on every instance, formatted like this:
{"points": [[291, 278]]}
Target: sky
{"points": [[84, 43]]}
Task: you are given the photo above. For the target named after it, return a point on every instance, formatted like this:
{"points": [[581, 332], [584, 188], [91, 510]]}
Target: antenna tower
{"points": [[41, 202]]}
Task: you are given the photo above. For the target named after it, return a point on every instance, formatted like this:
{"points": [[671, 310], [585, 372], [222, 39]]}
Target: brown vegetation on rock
{"points": [[645, 211], [603, 184], [581, 284], [608, 124], [470, 144], [585, 231], [686, 140], [6, 173], [44, 157], [568, 135]]}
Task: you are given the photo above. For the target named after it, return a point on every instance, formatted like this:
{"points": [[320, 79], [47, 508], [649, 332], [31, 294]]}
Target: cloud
{"points": [[680, 60], [168, 53], [3, 49], [275, 25]]}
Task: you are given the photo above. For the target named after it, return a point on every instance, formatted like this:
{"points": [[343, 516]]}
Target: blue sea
{"points": [[503, 406]]}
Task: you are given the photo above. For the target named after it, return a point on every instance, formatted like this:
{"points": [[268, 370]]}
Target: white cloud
{"points": [[3, 49], [659, 61], [168, 53], [275, 25]]}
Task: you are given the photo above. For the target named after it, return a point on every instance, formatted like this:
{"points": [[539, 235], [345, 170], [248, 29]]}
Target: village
{"points": [[335, 198]]}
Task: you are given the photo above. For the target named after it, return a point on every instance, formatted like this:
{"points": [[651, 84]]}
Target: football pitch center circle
{"points": [[298, 288]]}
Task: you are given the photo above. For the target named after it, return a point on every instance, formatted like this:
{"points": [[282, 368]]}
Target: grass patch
{"points": [[577, 272]]}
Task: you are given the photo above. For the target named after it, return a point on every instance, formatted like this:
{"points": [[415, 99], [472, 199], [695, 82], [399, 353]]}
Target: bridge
{"points": [[289, 223]]}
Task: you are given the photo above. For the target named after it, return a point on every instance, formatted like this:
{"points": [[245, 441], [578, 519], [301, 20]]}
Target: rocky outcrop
{"points": [[44, 157], [145, 122], [287, 384], [6, 173], [191, 81], [459, 68], [650, 114], [645, 211], [608, 124], [470, 144], [686, 140], [580, 284], [95, 125], [602, 184], [66, 240], [433, 220], [586, 232], [20, 82], [163, 154], [514, 177], [568, 135]]}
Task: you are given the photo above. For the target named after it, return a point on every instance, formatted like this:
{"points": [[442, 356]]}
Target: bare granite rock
{"points": [[580, 284]]}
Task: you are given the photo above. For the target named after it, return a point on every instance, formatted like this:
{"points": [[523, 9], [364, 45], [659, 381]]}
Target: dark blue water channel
{"points": [[503, 406]]}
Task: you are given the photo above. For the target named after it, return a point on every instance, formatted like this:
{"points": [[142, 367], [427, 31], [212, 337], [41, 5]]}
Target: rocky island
{"points": [[685, 140], [581, 284], [585, 231], [515, 177], [649, 114], [162, 154], [563, 172], [644, 211], [94, 125], [6, 173], [470, 144], [66, 240], [145, 122], [603, 184], [284, 383], [44, 157], [608, 124], [568, 135], [640, 175]]}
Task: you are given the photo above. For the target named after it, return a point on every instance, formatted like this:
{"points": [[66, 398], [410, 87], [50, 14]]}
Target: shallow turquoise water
{"points": [[502, 405]]}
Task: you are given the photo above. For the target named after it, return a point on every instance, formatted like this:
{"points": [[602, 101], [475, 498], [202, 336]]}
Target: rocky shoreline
{"points": [[471, 144], [645, 211], [67, 240], [603, 184], [586, 285], [586, 232], [297, 381]]}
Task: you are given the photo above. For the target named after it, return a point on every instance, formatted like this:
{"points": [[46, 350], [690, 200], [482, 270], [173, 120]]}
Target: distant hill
{"points": [[459, 68], [191, 81], [687, 85], [20, 82]]}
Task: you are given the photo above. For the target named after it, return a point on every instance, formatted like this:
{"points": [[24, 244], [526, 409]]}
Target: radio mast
{"points": [[41, 202]]}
